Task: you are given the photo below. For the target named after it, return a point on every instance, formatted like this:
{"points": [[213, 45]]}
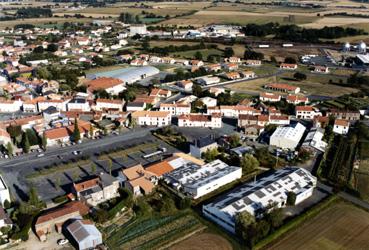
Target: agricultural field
{"points": [[340, 226], [153, 232], [203, 241], [43, 21]]}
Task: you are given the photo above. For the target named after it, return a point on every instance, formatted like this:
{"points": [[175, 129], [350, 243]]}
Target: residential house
{"points": [[135, 106], [152, 118], [208, 80], [321, 121], [79, 104], [185, 84], [108, 104], [314, 140], [10, 106], [111, 85], [208, 101], [232, 75], [247, 74], [201, 145], [200, 120], [289, 66], [297, 99], [197, 63], [269, 97], [253, 62], [97, 190], [56, 217], [279, 119], [341, 126], [321, 69], [230, 66], [176, 108], [138, 180], [160, 93], [349, 115], [282, 87], [214, 67], [306, 112]]}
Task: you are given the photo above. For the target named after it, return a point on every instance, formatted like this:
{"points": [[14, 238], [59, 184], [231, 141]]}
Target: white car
{"points": [[40, 155], [62, 242]]}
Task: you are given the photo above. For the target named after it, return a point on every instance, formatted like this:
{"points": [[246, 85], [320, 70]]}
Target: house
{"points": [[232, 75], [349, 115], [108, 104], [287, 137], [341, 126], [253, 62], [214, 67], [289, 66], [135, 106], [56, 136], [155, 59], [321, 121], [152, 118], [4, 137], [97, 190], [297, 99], [279, 119], [208, 101], [10, 106], [282, 87], [233, 59], [60, 105], [230, 66], [160, 93], [197, 181], [306, 112], [176, 108], [185, 84], [233, 111], [51, 114], [79, 104], [245, 120], [255, 197], [197, 63], [247, 74], [321, 69], [138, 62], [314, 140], [201, 145], [200, 120], [138, 180], [269, 97], [216, 91], [4, 192], [5, 221], [168, 60], [252, 132], [207, 80], [31, 105], [56, 217], [85, 234], [111, 85]]}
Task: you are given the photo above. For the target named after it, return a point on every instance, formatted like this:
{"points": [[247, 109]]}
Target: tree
{"points": [[43, 141], [228, 52], [25, 143], [32, 137], [93, 167], [243, 220], [33, 198], [38, 50], [9, 148], [146, 45], [197, 90], [91, 131], [291, 198], [249, 163], [7, 204], [14, 131], [198, 55], [275, 217], [76, 133], [290, 60], [300, 76], [52, 47], [210, 154], [234, 140], [253, 55]]}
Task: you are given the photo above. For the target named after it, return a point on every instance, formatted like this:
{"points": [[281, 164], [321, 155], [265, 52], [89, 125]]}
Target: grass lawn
{"points": [[191, 53]]}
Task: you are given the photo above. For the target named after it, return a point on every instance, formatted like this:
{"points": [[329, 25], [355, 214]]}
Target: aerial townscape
{"points": [[184, 125]]}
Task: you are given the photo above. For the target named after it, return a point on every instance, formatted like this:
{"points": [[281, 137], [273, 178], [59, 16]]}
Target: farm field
{"points": [[314, 85], [154, 232], [203, 241], [340, 226], [42, 21]]}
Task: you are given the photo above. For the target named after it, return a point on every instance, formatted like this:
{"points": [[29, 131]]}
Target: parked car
{"points": [[76, 152], [40, 155], [62, 242]]}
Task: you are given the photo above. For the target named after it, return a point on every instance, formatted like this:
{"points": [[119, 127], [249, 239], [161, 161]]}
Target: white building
{"points": [[287, 137], [85, 234], [256, 197], [306, 112], [139, 29], [207, 80], [80, 104], [152, 118], [314, 140], [60, 105], [269, 97], [200, 120], [107, 104], [208, 101], [198, 181], [4, 137], [176, 108], [4, 191], [341, 126], [10, 106]]}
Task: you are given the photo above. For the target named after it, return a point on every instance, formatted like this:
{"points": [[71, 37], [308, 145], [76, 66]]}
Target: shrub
{"points": [[291, 198]]}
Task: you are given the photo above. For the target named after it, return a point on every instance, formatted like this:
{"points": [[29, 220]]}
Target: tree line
{"points": [[298, 34], [33, 12]]}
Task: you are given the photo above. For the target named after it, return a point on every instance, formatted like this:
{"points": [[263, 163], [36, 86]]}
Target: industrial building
{"points": [[256, 197], [287, 137], [128, 75], [85, 234], [198, 181]]}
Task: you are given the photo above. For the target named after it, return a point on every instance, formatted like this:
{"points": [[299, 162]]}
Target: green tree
{"points": [[76, 132], [197, 90], [25, 143], [43, 141], [290, 60], [291, 198], [242, 221], [249, 163], [9, 148], [93, 168], [198, 55], [91, 131], [300, 76], [33, 198], [210, 154], [146, 45], [228, 52], [275, 217], [234, 140]]}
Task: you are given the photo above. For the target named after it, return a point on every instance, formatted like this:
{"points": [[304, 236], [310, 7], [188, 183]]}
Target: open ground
{"points": [[340, 226], [203, 241]]}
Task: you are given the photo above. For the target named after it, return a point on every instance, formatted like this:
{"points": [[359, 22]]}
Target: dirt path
{"points": [[203, 241]]}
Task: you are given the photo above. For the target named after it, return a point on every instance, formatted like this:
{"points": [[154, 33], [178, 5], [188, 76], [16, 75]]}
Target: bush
{"points": [[60, 199], [291, 198]]}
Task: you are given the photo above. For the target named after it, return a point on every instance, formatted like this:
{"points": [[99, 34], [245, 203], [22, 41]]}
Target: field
{"points": [[341, 226], [314, 85], [203, 241], [43, 21], [154, 232]]}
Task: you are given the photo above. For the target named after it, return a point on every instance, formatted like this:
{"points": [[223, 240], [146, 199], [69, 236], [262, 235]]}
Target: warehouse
{"points": [[198, 181], [128, 75], [287, 137], [85, 234], [255, 197]]}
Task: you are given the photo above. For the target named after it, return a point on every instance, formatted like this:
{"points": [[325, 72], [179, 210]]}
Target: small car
{"points": [[62, 242]]}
